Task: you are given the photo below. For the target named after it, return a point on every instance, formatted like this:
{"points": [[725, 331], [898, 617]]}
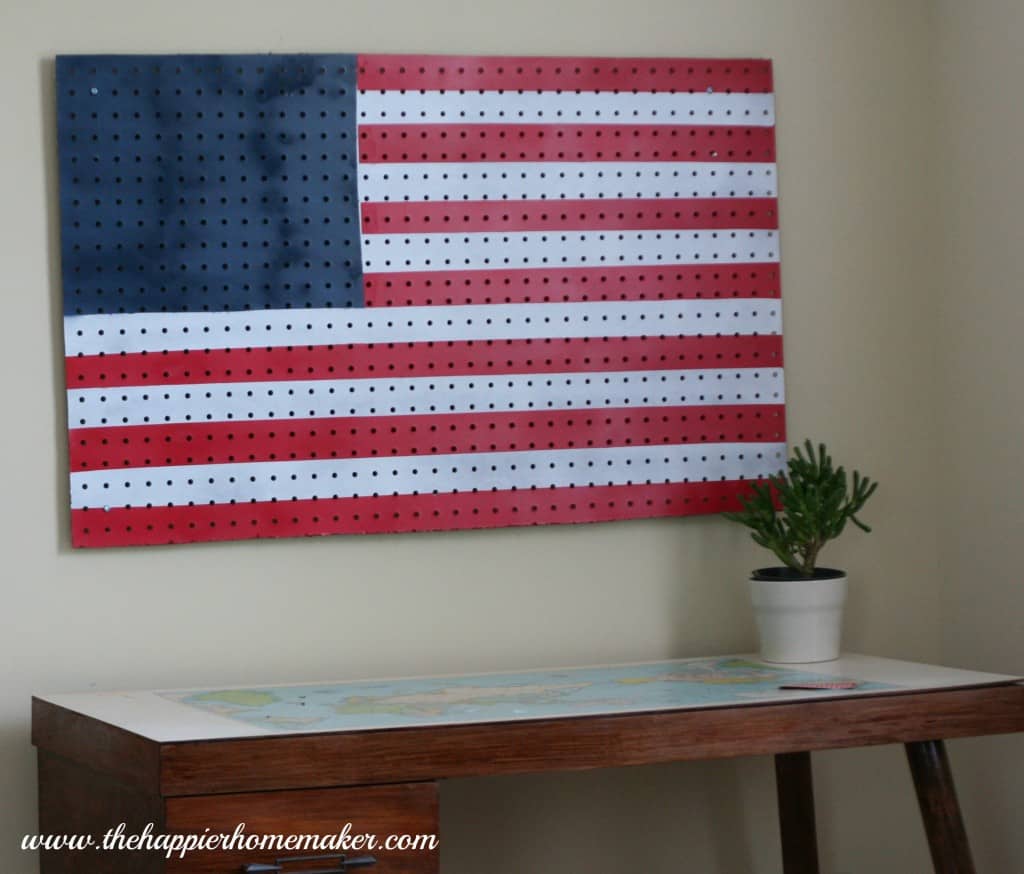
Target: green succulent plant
{"points": [[804, 507]]}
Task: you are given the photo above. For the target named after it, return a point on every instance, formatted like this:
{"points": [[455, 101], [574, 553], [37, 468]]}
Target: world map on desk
{"points": [[358, 706]]}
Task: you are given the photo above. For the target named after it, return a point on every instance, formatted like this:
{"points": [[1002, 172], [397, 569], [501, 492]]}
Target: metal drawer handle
{"points": [[342, 864]]}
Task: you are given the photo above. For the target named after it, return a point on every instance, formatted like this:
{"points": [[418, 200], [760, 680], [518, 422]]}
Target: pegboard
{"points": [[315, 294]]}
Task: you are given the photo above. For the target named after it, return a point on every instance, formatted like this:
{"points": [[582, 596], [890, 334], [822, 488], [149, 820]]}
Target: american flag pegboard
{"points": [[314, 294]]}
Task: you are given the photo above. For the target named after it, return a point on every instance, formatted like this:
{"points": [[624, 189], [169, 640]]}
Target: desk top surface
{"points": [[171, 716]]}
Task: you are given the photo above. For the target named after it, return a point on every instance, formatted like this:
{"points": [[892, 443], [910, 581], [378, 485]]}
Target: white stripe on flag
{"points": [[582, 107], [328, 398], [485, 471], [407, 253], [581, 180], [159, 332]]}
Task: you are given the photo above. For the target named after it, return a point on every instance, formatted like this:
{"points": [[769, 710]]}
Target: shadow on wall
{"points": [[19, 770], [48, 149], [710, 604], [657, 819]]}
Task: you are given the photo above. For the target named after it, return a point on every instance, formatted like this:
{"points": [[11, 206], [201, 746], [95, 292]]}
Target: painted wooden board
{"points": [[316, 294]]}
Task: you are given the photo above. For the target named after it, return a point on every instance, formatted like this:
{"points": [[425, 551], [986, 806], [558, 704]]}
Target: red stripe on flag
{"points": [[570, 215], [452, 358], [444, 434], [382, 143], [400, 513], [432, 73], [549, 285]]}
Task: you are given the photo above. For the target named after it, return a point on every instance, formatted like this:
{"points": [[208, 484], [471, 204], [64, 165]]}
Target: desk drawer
{"points": [[379, 811]]}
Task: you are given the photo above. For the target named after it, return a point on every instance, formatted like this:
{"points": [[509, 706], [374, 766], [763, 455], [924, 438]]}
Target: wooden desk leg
{"points": [[796, 813], [936, 794]]}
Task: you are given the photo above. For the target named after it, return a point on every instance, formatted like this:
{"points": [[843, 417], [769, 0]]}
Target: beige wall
{"points": [[980, 191], [856, 125]]}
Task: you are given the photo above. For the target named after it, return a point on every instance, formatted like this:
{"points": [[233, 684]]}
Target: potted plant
{"points": [[799, 605]]}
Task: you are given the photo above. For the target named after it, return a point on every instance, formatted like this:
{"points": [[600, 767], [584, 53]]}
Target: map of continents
{"points": [[502, 697]]}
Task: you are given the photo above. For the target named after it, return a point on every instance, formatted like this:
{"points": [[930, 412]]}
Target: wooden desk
{"points": [[306, 759]]}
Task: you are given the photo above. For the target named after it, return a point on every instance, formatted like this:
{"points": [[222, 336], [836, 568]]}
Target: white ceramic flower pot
{"points": [[799, 620]]}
